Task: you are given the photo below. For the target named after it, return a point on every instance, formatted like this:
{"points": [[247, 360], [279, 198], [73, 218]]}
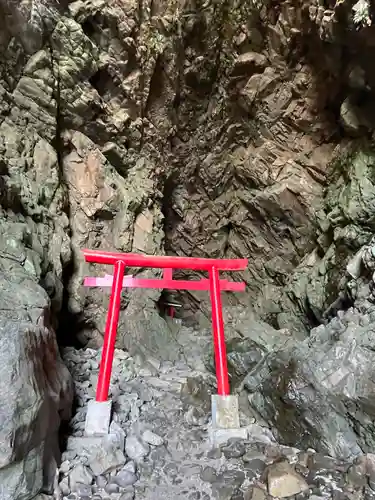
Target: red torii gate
{"points": [[214, 284]]}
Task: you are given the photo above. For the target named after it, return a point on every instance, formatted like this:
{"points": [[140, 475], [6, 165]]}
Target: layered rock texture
{"points": [[219, 129], [202, 130]]}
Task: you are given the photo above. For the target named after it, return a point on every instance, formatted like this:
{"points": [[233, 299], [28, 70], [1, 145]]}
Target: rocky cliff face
{"points": [[194, 128]]}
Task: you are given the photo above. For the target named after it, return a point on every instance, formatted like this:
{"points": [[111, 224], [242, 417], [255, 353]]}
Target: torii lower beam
{"points": [[223, 403]]}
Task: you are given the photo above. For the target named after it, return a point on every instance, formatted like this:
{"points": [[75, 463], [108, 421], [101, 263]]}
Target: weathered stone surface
{"points": [[125, 478], [105, 459], [300, 388], [194, 130], [79, 475], [152, 438], [136, 449], [284, 482], [36, 389]]}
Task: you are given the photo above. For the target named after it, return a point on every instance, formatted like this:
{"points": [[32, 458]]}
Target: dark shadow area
{"points": [[333, 62], [89, 27], [162, 304], [101, 81], [66, 430], [69, 324]]}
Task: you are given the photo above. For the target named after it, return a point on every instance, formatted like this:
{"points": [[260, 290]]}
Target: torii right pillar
{"points": [[225, 411]]}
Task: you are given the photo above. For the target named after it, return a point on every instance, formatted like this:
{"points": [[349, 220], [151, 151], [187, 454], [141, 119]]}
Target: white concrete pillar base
{"points": [[225, 412], [98, 418]]}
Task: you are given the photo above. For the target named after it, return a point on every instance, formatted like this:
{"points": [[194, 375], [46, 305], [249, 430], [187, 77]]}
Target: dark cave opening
{"points": [[69, 324], [169, 305], [101, 81]]}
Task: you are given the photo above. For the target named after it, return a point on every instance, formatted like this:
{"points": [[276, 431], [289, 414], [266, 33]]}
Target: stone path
{"points": [[159, 445]]}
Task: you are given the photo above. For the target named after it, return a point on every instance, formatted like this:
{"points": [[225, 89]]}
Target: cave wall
{"points": [[193, 128]]}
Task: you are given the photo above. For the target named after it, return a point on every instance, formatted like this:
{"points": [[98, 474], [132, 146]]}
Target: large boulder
{"points": [[318, 393], [248, 341], [317, 287], [35, 387], [35, 390]]}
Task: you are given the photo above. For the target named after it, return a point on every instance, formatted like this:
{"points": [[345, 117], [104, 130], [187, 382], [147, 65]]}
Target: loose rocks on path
{"points": [[156, 452]]}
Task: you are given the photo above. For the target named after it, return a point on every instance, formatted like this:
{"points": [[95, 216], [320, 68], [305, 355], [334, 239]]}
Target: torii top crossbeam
{"points": [[164, 262], [119, 281]]}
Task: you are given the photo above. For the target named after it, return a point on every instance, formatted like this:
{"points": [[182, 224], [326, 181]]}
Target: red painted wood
{"points": [[218, 333], [106, 362], [119, 281], [162, 262], [130, 282]]}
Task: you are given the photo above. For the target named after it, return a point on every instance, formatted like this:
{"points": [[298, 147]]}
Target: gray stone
{"points": [[235, 448], [257, 466], [227, 484], [215, 453], [65, 466], [35, 389], [136, 449], [64, 486], [220, 436], [302, 393], [118, 432], [130, 467], [83, 490], [106, 459], [112, 488], [356, 476], [101, 481], [254, 493], [152, 438], [128, 495], [208, 475], [80, 475], [284, 482], [125, 478]]}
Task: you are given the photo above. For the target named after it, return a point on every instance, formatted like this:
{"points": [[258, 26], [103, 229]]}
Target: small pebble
{"points": [[111, 488], [208, 475], [83, 490], [125, 478], [80, 475], [136, 449], [234, 449], [101, 481], [65, 466], [127, 495], [130, 466], [152, 438]]}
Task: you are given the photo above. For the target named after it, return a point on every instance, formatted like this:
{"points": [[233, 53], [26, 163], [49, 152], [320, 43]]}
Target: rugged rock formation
{"points": [[176, 117], [196, 129], [205, 128], [159, 443], [36, 389]]}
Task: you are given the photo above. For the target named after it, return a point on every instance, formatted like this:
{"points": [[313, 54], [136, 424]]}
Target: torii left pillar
{"points": [[99, 411]]}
